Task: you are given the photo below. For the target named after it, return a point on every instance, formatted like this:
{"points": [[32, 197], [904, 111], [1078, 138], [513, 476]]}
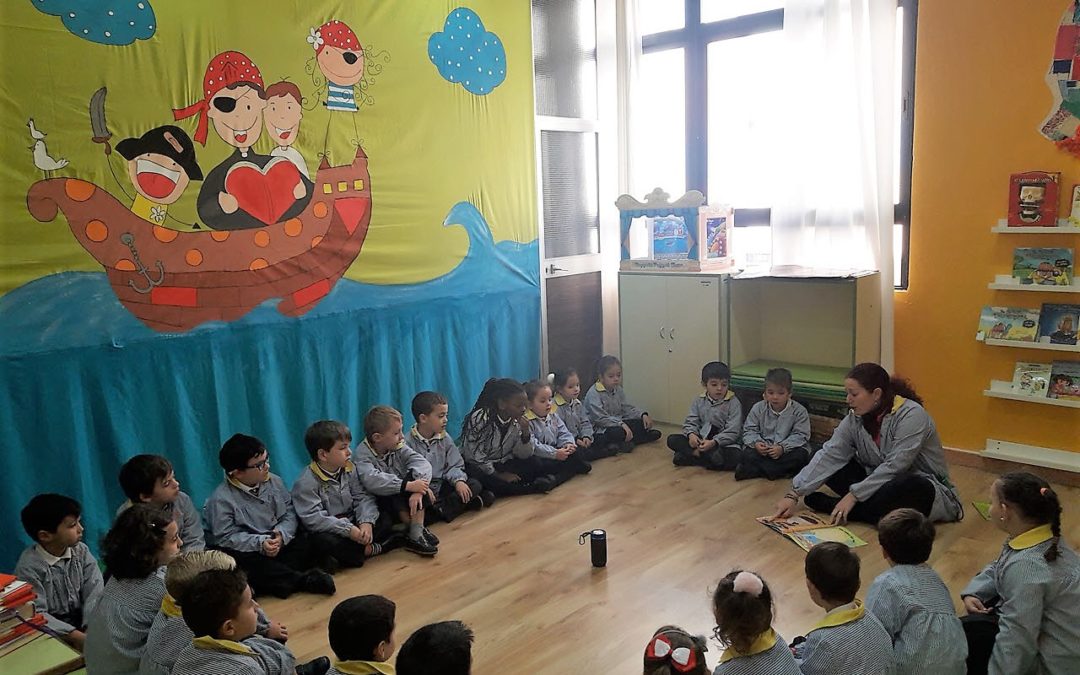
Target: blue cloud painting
{"points": [[467, 54], [117, 22]]}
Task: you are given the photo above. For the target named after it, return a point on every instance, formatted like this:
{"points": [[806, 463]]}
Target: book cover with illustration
{"points": [[1033, 199], [1043, 266], [1008, 323], [1031, 379], [1065, 380], [1058, 323], [670, 238], [808, 529]]}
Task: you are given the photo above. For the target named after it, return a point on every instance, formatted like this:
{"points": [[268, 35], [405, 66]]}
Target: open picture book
{"points": [[807, 529]]}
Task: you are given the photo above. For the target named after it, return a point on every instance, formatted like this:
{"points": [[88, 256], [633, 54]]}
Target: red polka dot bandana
{"points": [[334, 34], [225, 69]]}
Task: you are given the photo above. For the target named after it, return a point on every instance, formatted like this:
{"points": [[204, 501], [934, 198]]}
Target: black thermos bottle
{"points": [[598, 539]]}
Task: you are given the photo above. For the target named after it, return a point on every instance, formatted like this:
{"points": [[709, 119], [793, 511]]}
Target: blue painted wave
{"points": [[78, 309]]}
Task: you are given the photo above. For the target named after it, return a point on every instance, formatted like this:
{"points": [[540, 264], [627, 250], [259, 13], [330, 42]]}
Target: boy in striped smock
{"points": [[712, 429], [1024, 608], [150, 479], [848, 639], [361, 632], [743, 609], [223, 617], [169, 634], [911, 601]]}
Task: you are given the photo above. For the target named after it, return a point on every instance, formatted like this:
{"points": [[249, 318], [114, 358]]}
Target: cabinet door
{"points": [[642, 302], [694, 314]]}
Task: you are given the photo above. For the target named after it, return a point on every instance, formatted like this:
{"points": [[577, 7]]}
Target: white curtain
{"points": [[834, 204]]}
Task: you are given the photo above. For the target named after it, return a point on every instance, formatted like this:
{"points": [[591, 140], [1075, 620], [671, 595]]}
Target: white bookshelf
{"points": [[1005, 282], [1075, 349], [1003, 389], [1032, 454], [1064, 227]]}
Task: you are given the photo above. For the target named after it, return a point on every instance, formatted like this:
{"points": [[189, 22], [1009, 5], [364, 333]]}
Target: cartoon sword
{"points": [[97, 119]]}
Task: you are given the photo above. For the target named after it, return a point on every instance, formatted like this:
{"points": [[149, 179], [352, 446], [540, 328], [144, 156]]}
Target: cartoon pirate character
{"points": [[161, 164], [234, 100], [283, 115], [341, 60]]}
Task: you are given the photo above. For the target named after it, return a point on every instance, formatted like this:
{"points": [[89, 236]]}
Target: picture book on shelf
{"points": [[1033, 199], [808, 529], [1008, 323], [1043, 266], [1058, 323], [1031, 379], [1065, 380], [670, 237]]}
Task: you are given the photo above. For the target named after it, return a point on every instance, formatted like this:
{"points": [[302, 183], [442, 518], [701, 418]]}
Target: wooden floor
{"points": [[517, 576]]}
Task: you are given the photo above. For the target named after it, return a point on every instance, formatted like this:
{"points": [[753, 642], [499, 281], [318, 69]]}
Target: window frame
{"points": [[694, 38]]}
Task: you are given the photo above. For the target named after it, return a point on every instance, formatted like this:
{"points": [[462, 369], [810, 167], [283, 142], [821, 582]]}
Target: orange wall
{"points": [[980, 97]]}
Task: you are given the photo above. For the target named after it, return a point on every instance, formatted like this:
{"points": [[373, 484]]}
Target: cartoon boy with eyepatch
{"points": [[247, 190], [161, 164]]}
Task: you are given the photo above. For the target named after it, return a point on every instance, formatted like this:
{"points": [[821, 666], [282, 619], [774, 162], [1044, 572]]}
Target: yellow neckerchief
{"points": [[376, 454], [896, 403], [415, 432], [560, 400], [325, 477], [169, 607], [365, 667], [599, 386], [148, 210], [727, 397], [762, 643], [1032, 537], [215, 645], [841, 615], [250, 489], [530, 415]]}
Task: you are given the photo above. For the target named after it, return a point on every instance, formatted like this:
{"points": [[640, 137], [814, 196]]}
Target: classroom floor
{"points": [[518, 577]]}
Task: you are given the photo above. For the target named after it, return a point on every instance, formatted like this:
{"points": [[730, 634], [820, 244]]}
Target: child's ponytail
{"points": [[1036, 500]]}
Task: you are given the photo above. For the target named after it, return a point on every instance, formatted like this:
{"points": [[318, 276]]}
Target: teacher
{"points": [[884, 455]]}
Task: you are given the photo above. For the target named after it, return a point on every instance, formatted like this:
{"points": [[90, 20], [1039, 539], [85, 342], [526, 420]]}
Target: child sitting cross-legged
{"points": [[454, 490], [150, 479], [553, 443], [848, 639], [223, 616], [569, 407], [59, 566], [338, 513], [912, 602], [711, 431], [775, 433], [398, 476], [141, 542], [169, 634], [619, 425], [361, 633]]}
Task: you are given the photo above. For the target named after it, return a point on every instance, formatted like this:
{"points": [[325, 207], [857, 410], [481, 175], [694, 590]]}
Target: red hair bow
{"points": [[683, 659]]}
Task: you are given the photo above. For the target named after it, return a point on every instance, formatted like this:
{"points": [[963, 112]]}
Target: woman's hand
{"points": [[843, 509], [785, 508]]}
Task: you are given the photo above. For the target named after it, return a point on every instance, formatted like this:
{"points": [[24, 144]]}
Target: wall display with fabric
{"points": [[238, 220]]}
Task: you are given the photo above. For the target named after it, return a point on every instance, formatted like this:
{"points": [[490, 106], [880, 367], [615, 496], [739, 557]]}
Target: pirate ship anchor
{"points": [[173, 281]]}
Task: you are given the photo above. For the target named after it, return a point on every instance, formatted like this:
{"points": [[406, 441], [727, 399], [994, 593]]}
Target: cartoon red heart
{"points": [[264, 193]]}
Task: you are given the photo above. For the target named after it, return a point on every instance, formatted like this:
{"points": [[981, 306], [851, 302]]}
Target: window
{"points": [[724, 130]]}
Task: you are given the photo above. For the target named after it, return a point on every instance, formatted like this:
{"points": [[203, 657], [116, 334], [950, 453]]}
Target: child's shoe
{"points": [[420, 547], [545, 483], [487, 498], [430, 536], [318, 582], [317, 666], [652, 435]]}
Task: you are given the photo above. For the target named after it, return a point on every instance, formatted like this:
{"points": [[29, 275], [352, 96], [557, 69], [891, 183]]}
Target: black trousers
{"points": [[282, 575], [616, 435], [981, 631], [720, 458], [906, 491], [602, 446], [529, 469], [752, 464], [448, 504], [344, 551]]}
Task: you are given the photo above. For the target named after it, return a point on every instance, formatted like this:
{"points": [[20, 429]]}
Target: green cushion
{"points": [[813, 381]]}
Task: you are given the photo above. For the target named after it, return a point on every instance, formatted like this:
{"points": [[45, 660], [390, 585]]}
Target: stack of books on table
{"points": [[19, 621]]}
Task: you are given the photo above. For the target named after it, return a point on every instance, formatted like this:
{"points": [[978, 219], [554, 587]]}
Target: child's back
{"points": [[915, 608], [848, 640], [252, 656]]}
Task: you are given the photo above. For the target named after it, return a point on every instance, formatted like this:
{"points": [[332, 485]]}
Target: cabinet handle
{"points": [[671, 333], [661, 332]]}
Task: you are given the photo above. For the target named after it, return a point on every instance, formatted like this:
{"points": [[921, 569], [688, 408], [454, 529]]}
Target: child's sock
{"points": [[416, 530], [376, 549]]}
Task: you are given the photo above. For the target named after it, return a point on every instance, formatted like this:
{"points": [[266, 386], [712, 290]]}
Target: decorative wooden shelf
{"points": [[1033, 345], [1003, 389], [1064, 227], [1005, 282]]}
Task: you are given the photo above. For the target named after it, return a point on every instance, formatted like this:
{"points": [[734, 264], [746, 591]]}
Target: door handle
{"points": [[671, 333], [552, 269], [661, 332]]}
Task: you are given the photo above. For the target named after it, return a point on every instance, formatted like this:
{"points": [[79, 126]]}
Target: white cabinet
{"points": [[670, 326]]}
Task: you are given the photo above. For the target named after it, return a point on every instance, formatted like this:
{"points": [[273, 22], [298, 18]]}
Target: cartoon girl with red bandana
{"points": [[340, 58], [248, 189]]}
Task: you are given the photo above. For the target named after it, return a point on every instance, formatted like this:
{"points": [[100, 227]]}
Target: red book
{"points": [[1033, 199]]}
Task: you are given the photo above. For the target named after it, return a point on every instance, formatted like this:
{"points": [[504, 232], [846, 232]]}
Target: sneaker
{"points": [[685, 459], [487, 498], [430, 536], [317, 666], [652, 435], [318, 582], [421, 547]]}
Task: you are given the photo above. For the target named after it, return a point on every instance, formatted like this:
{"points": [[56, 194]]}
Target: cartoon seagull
{"points": [[42, 160]]}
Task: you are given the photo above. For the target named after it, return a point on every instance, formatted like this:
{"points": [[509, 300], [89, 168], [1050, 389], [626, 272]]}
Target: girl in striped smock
{"points": [[1024, 608], [141, 542], [743, 609]]}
